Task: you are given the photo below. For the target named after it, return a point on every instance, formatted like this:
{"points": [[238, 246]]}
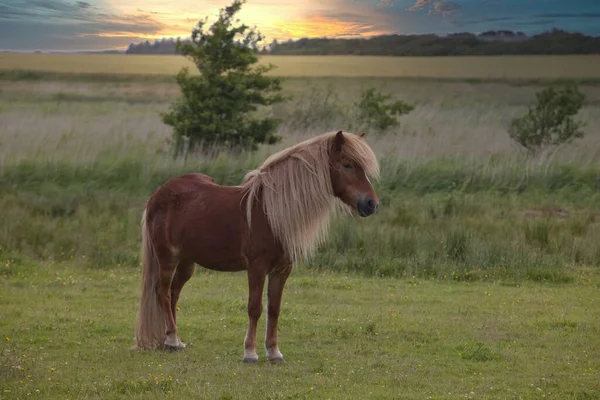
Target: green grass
{"points": [[442, 220], [67, 331]]}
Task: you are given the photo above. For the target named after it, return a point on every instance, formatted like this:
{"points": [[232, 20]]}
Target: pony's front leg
{"points": [[277, 281], [256, 283]]}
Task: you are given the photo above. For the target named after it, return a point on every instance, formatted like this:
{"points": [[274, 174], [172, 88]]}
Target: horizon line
{"points": [[124, 48]]}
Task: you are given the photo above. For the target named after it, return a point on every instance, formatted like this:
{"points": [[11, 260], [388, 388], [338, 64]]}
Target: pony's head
{"points": [[298, 187], [351, 162]]}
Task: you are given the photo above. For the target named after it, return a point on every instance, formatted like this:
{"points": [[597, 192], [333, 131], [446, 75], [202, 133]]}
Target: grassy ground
{"points": [[477, 278], [67, 332], [479, 67]]}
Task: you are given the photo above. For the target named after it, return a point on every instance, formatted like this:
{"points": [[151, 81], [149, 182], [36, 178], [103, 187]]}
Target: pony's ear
{"points": [[362, 135], [338, 141]]}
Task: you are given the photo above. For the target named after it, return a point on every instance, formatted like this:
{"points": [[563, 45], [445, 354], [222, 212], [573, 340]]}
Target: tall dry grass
{"points": [[460, 67], [85, 121]]}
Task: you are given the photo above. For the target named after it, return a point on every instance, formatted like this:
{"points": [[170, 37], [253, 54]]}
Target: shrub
{"points": [[217, 106], [373, 111], [550, 121]]}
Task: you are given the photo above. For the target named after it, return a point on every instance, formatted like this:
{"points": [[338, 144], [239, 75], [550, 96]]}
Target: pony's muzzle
{"points": [[366, 206]]}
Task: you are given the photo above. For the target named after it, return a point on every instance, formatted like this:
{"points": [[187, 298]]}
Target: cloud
{"points": [[53, 5], [60, 11], [8, 13], [60, 21], [483, 20], [331, 24], [385, 3], [334, 18], [421, 4], [534, 22], [45, 9], [569, 15], [444, 8]]}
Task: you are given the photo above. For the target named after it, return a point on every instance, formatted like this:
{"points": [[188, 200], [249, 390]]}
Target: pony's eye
{"points": [[347, 165]]}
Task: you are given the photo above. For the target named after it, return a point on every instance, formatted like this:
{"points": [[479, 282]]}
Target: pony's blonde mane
{"points": [[296, 192]]}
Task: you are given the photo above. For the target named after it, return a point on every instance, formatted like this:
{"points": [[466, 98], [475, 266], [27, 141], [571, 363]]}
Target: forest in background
{"points": [[556, 41]]}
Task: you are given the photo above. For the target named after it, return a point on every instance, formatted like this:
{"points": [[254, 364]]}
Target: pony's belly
{"points": [[234, 265]]}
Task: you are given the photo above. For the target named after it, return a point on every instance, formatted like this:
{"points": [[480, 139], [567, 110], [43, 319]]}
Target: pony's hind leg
{"points": [[168, 266], [183, 273], [276, 283]]}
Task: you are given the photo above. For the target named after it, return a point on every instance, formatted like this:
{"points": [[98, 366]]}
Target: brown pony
{"points": [[276, 216]]}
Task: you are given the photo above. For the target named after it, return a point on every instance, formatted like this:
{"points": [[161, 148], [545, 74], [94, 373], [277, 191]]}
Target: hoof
{"points": [[170, 348], [250, 360], [277, 360]]}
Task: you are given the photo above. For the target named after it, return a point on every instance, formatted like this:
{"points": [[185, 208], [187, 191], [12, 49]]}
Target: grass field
{"points": [[492, 67], [67, 332], [477, 278]]}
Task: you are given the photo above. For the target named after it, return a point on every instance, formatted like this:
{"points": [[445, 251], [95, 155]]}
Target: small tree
{"points": [[373, 110], [550, 121], [217, 107]]}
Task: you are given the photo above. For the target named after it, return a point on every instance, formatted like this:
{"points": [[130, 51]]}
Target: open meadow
{"points": [[477, 278], [459, 67]]}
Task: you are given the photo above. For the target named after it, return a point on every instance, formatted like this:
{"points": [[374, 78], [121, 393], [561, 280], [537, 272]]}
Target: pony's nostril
{"points": [[370, 204]]}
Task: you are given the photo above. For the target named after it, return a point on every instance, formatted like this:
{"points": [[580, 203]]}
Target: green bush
{"points": [[550, 122], [217, 107], [374, 112]]}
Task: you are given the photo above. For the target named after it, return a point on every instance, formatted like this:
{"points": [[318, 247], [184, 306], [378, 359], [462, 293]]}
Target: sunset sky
{"points": [[107, 24]]}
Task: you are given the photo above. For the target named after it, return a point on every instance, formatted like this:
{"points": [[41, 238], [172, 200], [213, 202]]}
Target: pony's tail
{"points": [[150, 326]]}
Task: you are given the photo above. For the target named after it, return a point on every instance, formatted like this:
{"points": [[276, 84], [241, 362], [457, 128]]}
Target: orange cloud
{"points": [[275, 19], [324, 26], [179, 17], [338, 18]]}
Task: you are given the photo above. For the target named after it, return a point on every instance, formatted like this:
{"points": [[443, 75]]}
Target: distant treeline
{"points": [[164, 46], [459, 44]]}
